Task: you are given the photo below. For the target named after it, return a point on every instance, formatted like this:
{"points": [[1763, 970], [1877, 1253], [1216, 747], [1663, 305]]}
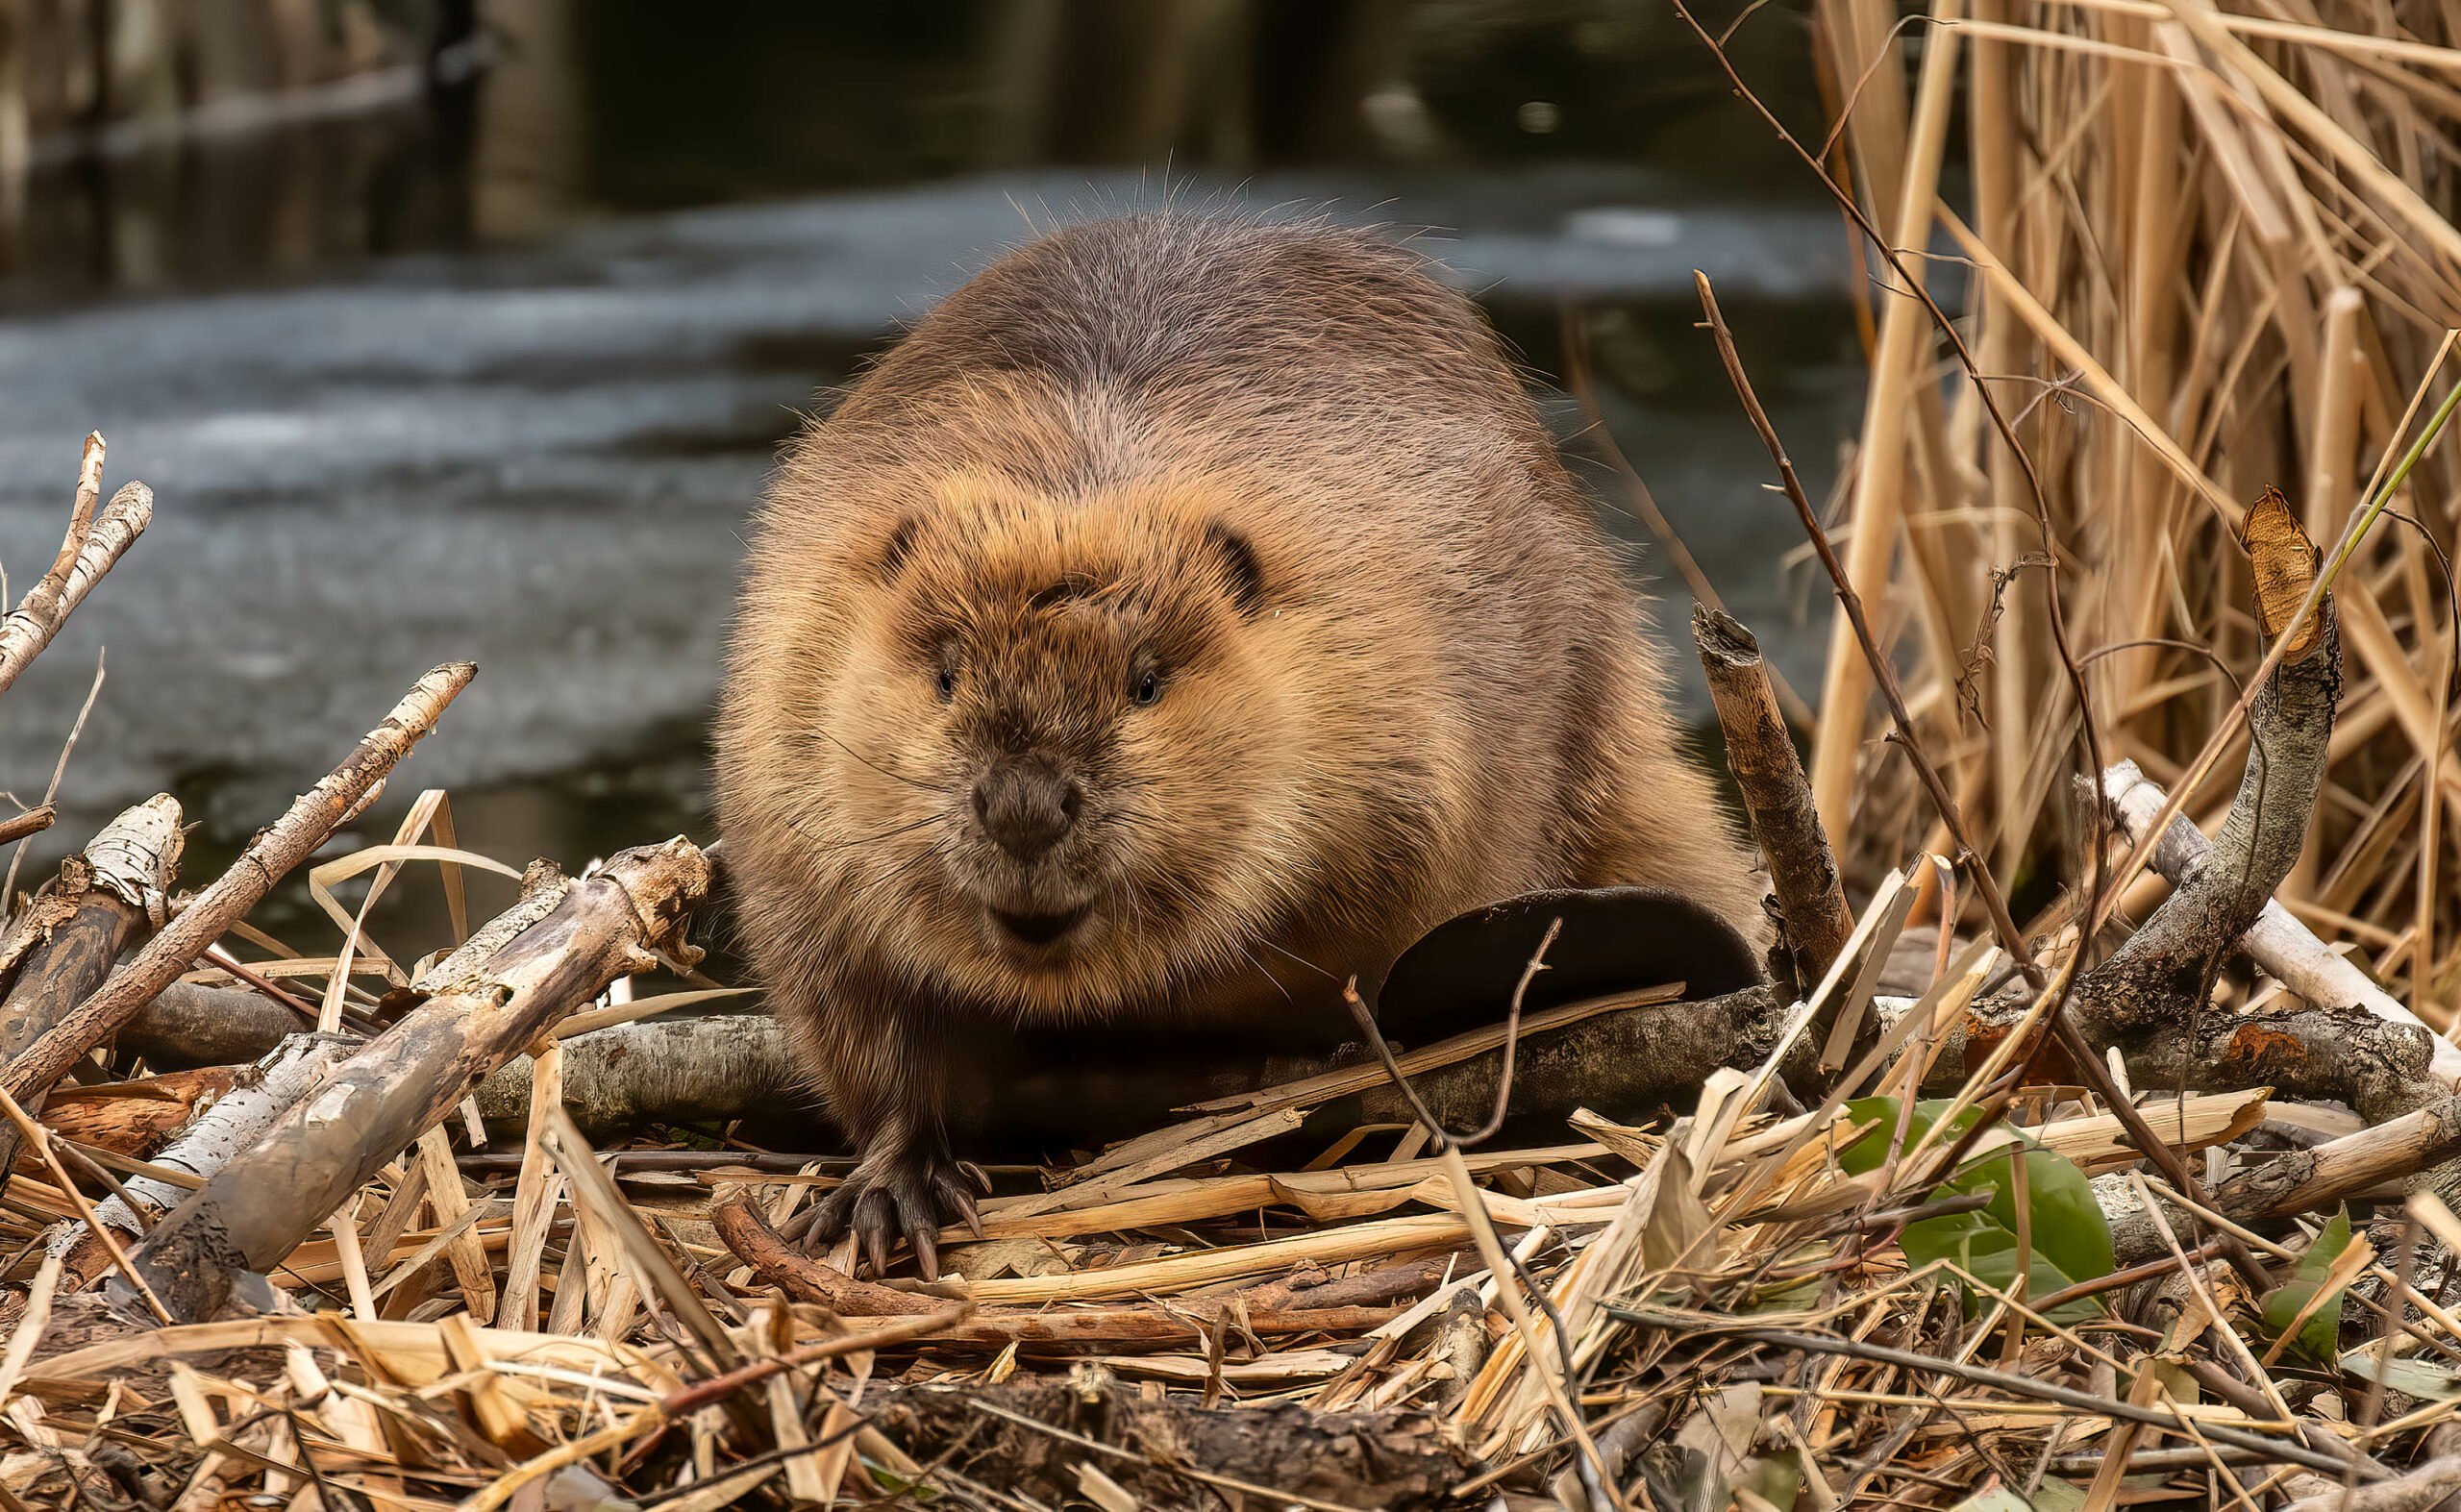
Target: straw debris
{"points": [[356, 1221]]}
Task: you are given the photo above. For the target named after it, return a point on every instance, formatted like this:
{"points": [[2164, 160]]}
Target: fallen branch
{"points": [[188, 1025], [95, 542], [274, 852], [34, 821], [708, 1070], [259, 1207], [2425, 1486], [2276, 941], [2167, 967], [1776, 796], [2307, 1181], [64, 943], [263, 1094], [1343, 1306]]}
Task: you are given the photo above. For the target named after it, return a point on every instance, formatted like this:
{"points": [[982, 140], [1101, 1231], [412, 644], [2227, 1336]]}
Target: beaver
{"points": [[1185, 615]]}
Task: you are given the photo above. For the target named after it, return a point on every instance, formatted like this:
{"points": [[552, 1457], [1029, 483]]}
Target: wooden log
{"points": [[262, 1204], [1626, 1062], [272, 853], [1776, 796], [71, 936], [93, 543], [188, 1025], [260, 1094], [707, 1070]]}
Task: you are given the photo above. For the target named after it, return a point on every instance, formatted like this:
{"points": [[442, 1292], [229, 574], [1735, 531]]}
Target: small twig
{"points": [[59, 770], [92, 544], [2129, 1276], [1578, 382], [1228, 1483], [34, 821], [1983, 1376], [692, 1399], [223, 960], [40, 1140], [1366, 1021]]}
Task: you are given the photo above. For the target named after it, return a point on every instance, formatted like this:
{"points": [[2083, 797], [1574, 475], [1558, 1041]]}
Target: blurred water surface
{"points": [[495, 371]]}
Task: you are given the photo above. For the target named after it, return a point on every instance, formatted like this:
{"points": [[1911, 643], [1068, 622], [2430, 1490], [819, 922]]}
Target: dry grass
{"points": [[2208, 254]]}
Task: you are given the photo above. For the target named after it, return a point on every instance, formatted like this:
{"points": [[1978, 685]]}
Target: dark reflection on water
{"points": [[496, 369]]}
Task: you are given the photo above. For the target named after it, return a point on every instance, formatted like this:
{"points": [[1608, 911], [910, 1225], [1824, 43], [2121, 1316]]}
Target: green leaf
{"points": [[2070, 1240], [2320, 1337], [2053, 1494], [2424, 1379]]}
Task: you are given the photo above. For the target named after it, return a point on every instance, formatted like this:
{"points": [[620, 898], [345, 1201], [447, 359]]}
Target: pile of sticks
{"points": [[318, 1277], [470, 1220]]}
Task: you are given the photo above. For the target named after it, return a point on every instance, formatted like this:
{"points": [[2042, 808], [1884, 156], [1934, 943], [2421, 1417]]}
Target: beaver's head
{"points": [[1062, 769]]}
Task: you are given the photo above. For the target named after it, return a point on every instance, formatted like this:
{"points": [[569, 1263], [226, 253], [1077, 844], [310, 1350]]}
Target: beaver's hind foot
{"points": [[902, 1195]]}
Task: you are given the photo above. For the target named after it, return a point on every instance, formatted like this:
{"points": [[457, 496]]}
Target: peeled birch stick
{"points": [[264, 1092], [95, 542], [65, 942], [2276, 941], [1760, 753], [259, 1207]]}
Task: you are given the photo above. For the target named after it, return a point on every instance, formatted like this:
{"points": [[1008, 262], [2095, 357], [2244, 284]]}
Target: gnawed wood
{"points": [[260, 1206], [1777, 794], [273, 853]]}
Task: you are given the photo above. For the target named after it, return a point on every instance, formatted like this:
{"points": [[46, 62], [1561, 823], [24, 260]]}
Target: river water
{"points": [[452, 419]]}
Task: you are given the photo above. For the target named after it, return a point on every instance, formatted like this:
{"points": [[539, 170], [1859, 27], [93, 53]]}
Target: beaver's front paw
{"points": [[906, 1194]]}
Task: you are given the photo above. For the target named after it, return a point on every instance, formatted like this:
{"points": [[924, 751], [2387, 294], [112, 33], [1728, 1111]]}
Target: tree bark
{"points": [[1776, 796], [260, 1205], [262, 1093], [90, 549], [272, 853], [71, 936]]}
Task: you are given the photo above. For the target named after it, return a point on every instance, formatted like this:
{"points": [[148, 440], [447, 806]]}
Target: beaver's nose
{"points": [[1025, 806]]}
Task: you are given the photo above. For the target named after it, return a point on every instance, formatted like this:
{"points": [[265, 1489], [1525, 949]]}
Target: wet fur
{"points": [[1400, 673]]}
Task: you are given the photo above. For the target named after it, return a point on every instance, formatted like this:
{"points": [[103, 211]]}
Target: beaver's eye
{"points": [[948, 683], [1149, 687]]}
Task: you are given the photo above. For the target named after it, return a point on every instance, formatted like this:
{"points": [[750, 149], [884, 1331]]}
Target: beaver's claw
{"points": [[879, 1204]]}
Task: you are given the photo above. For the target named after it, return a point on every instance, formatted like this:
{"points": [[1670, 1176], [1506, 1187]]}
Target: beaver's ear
{"points": [[888, 558], [1246, 575]]}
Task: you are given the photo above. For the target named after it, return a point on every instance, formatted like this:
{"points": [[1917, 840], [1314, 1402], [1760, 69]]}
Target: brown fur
{"points": [[1293, 476]]}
